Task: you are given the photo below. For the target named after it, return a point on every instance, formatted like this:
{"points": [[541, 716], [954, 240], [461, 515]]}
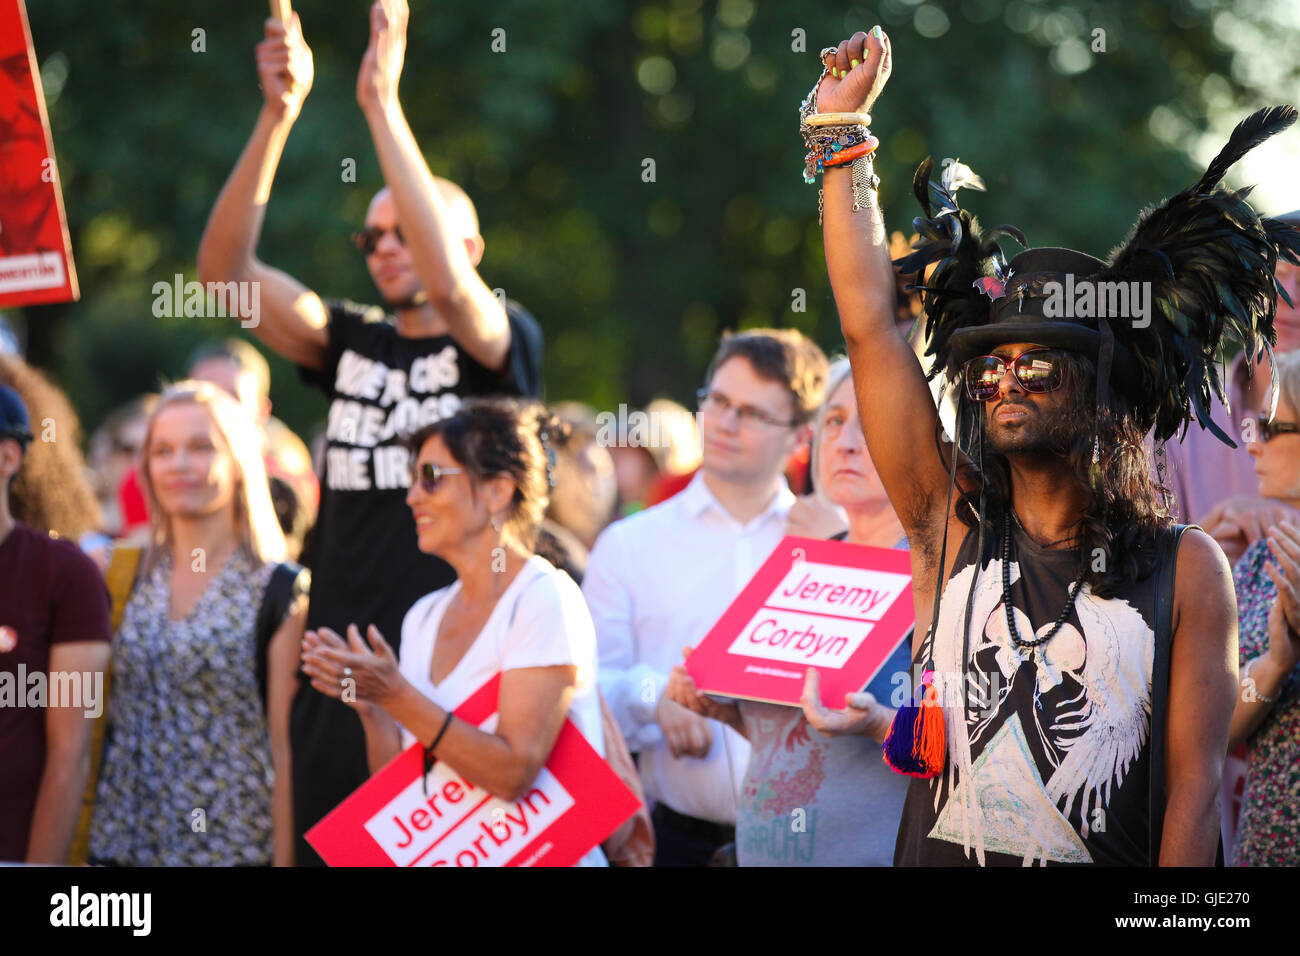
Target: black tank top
{"points": [[1049, 755]]}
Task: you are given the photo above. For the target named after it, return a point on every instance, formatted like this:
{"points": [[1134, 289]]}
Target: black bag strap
{"points": [[288, 582], [1166, 569]]}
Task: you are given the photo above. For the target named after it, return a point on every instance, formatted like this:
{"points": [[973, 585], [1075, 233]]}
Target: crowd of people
{"points": [[278, 624]]}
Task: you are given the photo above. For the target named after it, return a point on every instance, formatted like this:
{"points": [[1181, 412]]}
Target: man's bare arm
{"points": [[67, 754], [291, 318], [474, 316], [898, 413], [1202, 689]]}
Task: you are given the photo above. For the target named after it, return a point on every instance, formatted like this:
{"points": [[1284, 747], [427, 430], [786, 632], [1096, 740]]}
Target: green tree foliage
{"points": [[632, 281]]}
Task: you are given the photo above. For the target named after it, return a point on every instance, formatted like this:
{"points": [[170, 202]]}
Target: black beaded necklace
{"points": [[1006, 595]]}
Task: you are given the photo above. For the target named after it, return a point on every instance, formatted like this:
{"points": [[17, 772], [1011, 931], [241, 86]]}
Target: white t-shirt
{"points": [[541, 620]]}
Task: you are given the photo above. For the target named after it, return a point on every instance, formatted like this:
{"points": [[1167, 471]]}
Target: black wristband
{"points": [[429, 758]]}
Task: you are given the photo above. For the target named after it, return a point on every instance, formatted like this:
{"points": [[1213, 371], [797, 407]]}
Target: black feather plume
{"points": [[1249, 133], [1209, 260], [951, 240]]}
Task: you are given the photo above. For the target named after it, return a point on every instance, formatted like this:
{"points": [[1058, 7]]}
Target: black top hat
{"points": [[1205, 257], [1035, 305]]}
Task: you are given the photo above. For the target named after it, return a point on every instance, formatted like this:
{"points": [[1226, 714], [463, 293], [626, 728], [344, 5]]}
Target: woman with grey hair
{"points": [[1267, 581], [817, 791]]}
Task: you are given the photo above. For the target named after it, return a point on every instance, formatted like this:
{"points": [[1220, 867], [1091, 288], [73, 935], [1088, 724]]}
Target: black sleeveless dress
{"points": [[1049, 751]]}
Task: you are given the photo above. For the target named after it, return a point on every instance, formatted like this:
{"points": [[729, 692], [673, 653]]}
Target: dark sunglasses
{"points": [[1037, 370], [430, 474], [1267, 430], [368, 239]]}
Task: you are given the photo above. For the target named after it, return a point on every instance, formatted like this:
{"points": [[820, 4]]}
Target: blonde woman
{"points": [[196, 771]]}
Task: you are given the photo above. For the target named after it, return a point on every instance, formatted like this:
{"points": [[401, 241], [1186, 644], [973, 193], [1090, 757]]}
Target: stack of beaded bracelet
{"points": [[835, 139], [833, 146]]}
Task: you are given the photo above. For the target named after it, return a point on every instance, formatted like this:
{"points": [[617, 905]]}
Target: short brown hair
{"points": [[785, 356]]}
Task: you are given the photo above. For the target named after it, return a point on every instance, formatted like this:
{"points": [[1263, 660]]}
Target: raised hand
{"points": [[284, 67], [860, 68], [381, 67]]}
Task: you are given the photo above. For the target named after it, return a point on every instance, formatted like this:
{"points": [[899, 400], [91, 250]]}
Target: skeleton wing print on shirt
{"points": [[1018, 767]]}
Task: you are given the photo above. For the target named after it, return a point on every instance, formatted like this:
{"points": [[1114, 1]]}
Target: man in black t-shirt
{"points": [[448, 338]]}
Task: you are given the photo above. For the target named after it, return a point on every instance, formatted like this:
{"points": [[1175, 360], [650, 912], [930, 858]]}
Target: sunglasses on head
{"points": [[367, 240], [429, 474], [1037, 370], [1267, 430]]}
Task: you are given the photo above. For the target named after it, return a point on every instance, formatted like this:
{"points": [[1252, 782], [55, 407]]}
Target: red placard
{"points": [[575, 803], [35, 253], [842, 608]]}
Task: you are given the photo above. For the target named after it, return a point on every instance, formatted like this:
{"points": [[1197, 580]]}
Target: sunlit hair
{"points": [[50, 492], [1288, 377], [258, 530]]}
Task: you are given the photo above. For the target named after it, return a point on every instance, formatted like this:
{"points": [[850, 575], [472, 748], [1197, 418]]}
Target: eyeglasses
{"points": [[367, 240], [715, 403], [1267, 430], [429, 474], [1037, 370]]}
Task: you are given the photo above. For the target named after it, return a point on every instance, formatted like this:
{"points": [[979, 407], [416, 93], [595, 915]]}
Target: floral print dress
{"points": [[186, 777], [1268, 833]]}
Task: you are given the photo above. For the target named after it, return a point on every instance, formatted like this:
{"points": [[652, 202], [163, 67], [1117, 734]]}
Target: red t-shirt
{"points": [[50, 593]]}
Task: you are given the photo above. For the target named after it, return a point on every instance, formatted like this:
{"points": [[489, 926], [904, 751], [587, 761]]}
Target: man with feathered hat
{"points": [[1075, 685]]}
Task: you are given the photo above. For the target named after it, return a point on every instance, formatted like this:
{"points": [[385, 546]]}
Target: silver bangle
{"points": [[1250, 676]]}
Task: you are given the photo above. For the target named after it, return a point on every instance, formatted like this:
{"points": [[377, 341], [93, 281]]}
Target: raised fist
{"points": [[860, 68]]}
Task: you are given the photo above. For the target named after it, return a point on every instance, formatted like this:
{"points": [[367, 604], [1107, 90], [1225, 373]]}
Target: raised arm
{"points": [[474, 316], [898, 413], [291, 319]]}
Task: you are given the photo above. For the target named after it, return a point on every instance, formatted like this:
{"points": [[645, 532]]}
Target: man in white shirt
{"points": [[657, 581]]}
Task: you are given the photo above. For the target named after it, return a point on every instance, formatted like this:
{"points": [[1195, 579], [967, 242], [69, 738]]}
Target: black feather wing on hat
{"points": [[1209, 260], [950, 238]]}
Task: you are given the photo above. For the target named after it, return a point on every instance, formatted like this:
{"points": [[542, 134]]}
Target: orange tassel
{"points": [[932, 745], [916, 744]]}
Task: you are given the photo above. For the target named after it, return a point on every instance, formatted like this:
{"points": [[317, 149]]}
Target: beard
{"points": [[1035, 434]]}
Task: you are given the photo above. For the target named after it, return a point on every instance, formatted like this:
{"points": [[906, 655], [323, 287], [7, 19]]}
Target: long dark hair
{"points": [[1126, 505]]}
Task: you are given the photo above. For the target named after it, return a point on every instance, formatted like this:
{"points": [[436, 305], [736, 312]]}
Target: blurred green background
{"points": [[632, 281]]}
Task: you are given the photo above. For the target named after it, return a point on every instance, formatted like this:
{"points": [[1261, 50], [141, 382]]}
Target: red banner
{"points": [[842, 608], [575, 803], [35, 253]]}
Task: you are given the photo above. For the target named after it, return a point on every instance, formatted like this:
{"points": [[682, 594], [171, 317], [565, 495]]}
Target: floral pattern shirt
{"points": [[1268, 832], [186, 776]]}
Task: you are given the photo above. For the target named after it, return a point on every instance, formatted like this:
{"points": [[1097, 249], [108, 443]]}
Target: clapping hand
{"points": [[381, 67], [284, 67], [330, 663]]}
